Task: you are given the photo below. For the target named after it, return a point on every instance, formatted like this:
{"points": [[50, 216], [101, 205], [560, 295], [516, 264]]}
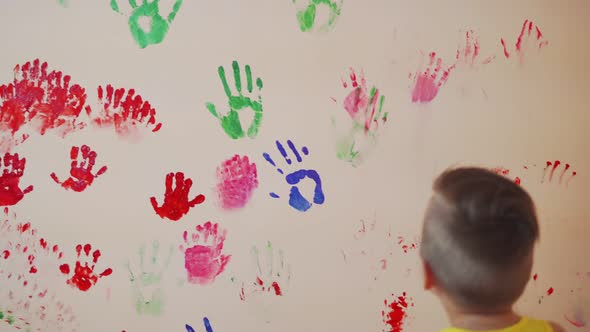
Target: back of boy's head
{"points": [[478, 237]]}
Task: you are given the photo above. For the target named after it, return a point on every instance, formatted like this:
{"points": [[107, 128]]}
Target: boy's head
{"points": [[478, 236]]}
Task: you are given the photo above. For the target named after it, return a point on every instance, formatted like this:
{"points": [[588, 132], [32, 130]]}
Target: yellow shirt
{"points": [[524, 325]]}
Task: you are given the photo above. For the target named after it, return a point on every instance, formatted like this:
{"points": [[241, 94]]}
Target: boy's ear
{"points": [[429, 279]]}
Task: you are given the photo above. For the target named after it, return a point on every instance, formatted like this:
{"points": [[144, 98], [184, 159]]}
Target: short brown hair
{"points": [[478, 237]]}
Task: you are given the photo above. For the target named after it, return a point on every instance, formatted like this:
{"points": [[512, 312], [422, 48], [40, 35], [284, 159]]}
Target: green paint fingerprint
{"points": [[230, 122], [147, 278], [307, 16], [158, 25]]}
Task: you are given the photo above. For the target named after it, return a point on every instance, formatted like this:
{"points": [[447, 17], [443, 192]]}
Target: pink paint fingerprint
{"points": [[555, 168], [530, 36], [362, 104], [124, 110], [427, 83], [395, 315], [203, 258], [237, 179], [469, 53]]}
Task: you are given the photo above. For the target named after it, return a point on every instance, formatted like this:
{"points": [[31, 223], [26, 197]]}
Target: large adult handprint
{"points": [[230, 122], [296, 199], [158, 25]]}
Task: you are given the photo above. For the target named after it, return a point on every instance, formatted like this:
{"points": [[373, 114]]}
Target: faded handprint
{"points": [[526, 39], [468, 53], [147, 282], [176, 202], [306, 14], [426, 83], [12, 170], [12, 119], [566, 172], [203, 258], [273, 273], [296, 199], [81, 176], [158, 25], [126, 114], [206, 323], [238, 102], [365, 109], [84, 276], [237, 179]]}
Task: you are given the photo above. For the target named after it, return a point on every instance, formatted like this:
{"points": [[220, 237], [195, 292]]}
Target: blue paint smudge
{"points": [[189, 328], [305, 150], [272, 162], [283, 152], [296, 199], [295, 152], [273, 195], [207, 325]]}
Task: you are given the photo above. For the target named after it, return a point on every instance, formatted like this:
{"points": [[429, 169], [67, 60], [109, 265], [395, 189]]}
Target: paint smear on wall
{"points": [[84, 276], [13, 168], [529, 39], [469, 52], [41, 99], [83, 160], [395, 315], [506, 172], [239, 103], [548, 291], [296, 198], [426, 83], [307, 14], [157, 25], [147, 279], [176, 199], [557, 172], [206, 323], [364, 107], [124, 110], [203, 253], [237, 179], [406, 245], [273, 272]]}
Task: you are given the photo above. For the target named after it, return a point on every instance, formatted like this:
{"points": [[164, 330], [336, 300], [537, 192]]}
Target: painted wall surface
{"points": [[263, 165]]}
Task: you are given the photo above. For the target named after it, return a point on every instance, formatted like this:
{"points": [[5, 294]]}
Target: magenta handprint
{"points": [[426, 83], [237, 179], [176, 202], [203, 253], [81, 176]]}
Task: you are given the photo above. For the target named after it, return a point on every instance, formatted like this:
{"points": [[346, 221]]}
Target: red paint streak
{"points": [[358, 103], [125, 111], [525, 37], [396, 313], [176, 202], [277, 289], [81, 176], [535, 276], [575, 322], [406, 247], [550, 291], [6, 254], [555, 165], [505, 172], [237, 179], [469, 52], [428, 83], [12, 170], [203, 258], [84, 276]]}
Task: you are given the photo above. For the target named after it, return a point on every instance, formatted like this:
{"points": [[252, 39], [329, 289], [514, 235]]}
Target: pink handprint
{"points": [[176, 203], [12, 170], [84, 276], [468, 53], [237, 180], [81, 176], [203, 258], [124, 110], [427, 83], [526, 39]]}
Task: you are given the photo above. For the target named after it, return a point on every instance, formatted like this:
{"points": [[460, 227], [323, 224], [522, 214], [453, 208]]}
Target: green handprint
{"points": [[149, 281], [158, 25], [231, 122], [306, 16]]}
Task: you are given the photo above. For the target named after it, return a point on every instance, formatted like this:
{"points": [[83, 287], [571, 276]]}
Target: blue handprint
{"points": [[205, 322], [296, 199]]}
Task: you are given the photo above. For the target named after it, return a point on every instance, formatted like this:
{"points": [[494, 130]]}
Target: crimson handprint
{"points": [[176, 202], [81, 176], [84, 276], [12, 170]]}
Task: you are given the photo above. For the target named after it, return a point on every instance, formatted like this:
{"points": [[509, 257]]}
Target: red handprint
{"points": [[203, 260], [524, 39], [125, 114], [81, 176], [84, 276], [13, 170], [176, 203], [428, 82]]}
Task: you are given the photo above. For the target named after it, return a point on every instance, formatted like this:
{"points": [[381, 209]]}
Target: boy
{"points": [[478, 237]]}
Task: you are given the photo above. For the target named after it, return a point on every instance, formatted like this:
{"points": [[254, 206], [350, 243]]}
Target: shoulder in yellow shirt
{"points": [[524, 325]]}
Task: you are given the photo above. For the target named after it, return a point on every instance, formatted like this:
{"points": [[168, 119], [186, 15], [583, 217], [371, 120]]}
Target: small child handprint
{"points": [[81, 176], [206, 322], [296, 199], [528, 38], [231, 123], [273, 273], [84, 276], [176, 200], [147, 283], [13, 169], [158, 26], [306, 15]]}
